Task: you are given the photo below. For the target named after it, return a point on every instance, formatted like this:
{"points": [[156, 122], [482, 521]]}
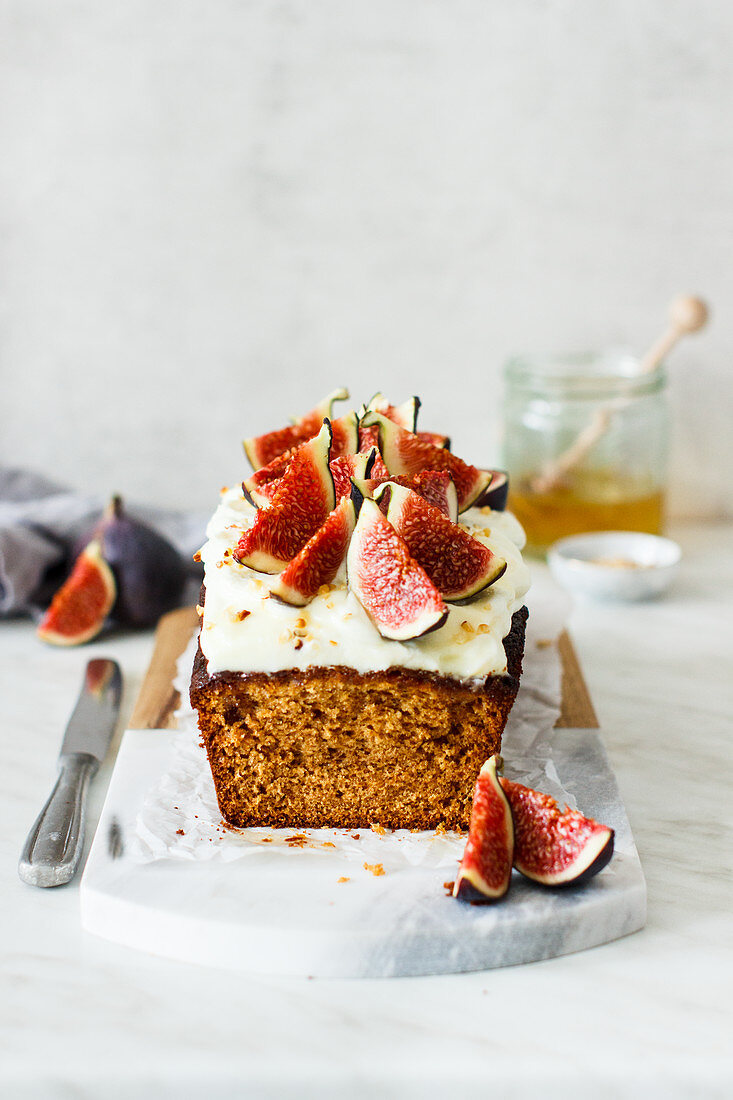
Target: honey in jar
{"points": [[585, 445]]}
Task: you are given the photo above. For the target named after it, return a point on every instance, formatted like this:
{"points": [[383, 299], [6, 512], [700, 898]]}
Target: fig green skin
{"points": [[149, 572]]}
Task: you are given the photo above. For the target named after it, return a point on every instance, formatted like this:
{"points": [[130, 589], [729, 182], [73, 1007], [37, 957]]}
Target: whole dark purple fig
{"points": [[150, 573]]}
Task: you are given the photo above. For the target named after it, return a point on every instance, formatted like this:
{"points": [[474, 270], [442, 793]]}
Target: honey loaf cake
{"points": [[362, 627]]}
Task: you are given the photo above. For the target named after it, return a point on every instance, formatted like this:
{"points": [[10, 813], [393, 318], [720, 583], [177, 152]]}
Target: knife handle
{"points": [[53, 849]]}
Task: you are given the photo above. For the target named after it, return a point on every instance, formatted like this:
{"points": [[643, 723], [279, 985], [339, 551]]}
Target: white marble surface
{"points": [[649, 1015]]}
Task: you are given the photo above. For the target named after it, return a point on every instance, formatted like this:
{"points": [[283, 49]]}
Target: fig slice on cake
{"points": [[434, 486], [321, 557], [396, 592], [552, 846], [262, 449], [404, 453], [80, 607], [304, 497], [486, 868], [357, 466], [495, 494], [345, 435], [459, 565]]}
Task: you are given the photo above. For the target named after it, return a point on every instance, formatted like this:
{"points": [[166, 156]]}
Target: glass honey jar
{"points": [[585, 445]]}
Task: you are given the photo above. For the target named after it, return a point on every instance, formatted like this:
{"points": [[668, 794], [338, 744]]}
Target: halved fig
{"points": [[396, 592], [319, 560], [437, 440], [404, 453], [357, 466], [495, 494], [304, 496], [405, 414], [486, 867], [435, 486], [345, 435], [263, 448], [80, 607], [459, 565], [259, 488], [552, 846]]}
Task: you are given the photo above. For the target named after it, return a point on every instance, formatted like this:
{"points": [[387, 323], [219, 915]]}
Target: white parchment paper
{"points": [[180, 818]]}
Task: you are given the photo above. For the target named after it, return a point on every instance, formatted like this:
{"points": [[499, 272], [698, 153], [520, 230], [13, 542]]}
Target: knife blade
{"points": [[54, 845]]}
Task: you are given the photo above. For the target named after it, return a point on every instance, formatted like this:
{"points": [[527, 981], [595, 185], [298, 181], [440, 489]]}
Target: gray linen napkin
{"points": [[40, 524]]}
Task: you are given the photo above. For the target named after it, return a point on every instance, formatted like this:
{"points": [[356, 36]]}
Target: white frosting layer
{"points": [[337, 630]]}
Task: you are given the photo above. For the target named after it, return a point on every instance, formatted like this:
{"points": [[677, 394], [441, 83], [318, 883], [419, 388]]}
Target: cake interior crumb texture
{"points": [[329, 747]]}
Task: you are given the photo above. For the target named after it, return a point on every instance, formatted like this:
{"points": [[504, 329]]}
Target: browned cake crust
{"points": [[333, 747]]}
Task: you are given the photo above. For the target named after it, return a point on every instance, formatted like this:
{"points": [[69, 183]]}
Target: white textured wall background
{"points": [[212, 213]]}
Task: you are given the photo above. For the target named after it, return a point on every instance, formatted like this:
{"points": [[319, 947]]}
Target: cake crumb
{"points": [[328, 844], [242, 615], [483, 628], [378, 829], [199, 610], [298, 643], [197, 556], [440, 829], [224, 489], [325, 589], [180, 832], [300, 623], [332, 642], [344, 878], [297, 840], [465, 625], [448, 887], [376, 868]]}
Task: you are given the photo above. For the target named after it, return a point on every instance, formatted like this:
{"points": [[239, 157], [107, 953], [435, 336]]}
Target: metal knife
{"points": [[53, 849]]}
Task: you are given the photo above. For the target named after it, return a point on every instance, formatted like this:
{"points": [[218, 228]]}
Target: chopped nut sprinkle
{"points": [[376, 868], [301, 623], [344, 878], [325, 589], [197, 556], [483, 628], [199, 610], [242, 615], [298, 643], [332, 642], [465, 625]]}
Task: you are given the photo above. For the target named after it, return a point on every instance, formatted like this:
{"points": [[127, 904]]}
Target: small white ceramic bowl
{"points": [[614, 565]]}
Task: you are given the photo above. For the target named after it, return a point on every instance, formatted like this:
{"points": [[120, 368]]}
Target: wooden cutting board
{"points": [[158, 699]]}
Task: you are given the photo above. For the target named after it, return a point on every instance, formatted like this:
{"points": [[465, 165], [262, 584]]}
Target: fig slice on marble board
{"points": [[486, 868], [555, 847]]}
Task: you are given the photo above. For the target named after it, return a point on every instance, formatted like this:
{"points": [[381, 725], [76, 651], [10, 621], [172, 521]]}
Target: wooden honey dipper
{"points": [[686, 314]]}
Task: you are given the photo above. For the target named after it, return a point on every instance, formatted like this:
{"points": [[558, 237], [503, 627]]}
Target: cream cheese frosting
{"points": [[244, 629]]}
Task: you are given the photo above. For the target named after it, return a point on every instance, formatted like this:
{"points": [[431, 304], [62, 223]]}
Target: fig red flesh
{"points": [[350, 466], [304, 497], [405, 453], [393, 589], [552, 846], [434, 486], [459, 565], [486, 867], [262, 449], [80, 607], [319, 560]]}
